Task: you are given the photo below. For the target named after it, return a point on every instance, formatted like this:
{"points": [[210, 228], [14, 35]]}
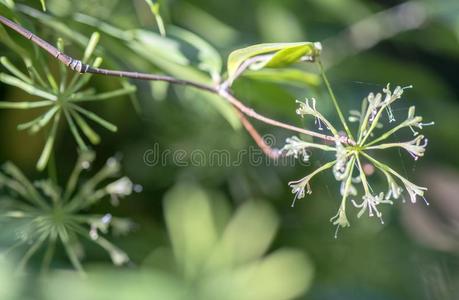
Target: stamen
{"points": [[373, 115], [317, 119], [426, 124], [106, 219], [336, 232], [425, 200], [294, 200], [308, 189], [390, 114], [415, 133]]}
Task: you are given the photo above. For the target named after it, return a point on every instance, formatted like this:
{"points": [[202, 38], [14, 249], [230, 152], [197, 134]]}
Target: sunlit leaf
{"points": [[283, 275], [278, 55], [285, 76]]}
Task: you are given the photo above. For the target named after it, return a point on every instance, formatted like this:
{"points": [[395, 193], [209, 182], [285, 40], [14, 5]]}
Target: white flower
{"points": [[100, 224], [119, 189], [394, 190], [85, 159], [414, 147], [391, 97], [93, 234], [118, 257], [113, 165], [340, 219], [122, 187], [298, 188], [414, 190], [296, 147], [370, 203], [374, 103], [415, 121], [307, 109], [341, 166]]}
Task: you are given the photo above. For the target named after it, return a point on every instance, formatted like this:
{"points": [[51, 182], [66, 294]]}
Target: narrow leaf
{"points": [[108, 95], [36, 124], [25, 104], [96, 118], [285, 76], [15, 71], [93, 137], [44, 158], [93, 41], [74, 130], [13, 81]]}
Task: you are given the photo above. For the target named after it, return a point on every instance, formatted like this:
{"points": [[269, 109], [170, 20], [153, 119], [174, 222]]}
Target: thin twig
{"points": [[80, 67], [259, 140], [253, 114]]}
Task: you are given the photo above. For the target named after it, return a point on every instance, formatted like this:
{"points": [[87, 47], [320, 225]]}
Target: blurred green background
{"points": [[367, 44]]}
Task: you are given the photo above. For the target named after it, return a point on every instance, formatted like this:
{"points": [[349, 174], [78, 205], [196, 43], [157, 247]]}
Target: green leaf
{"points": [[209, 58], [44, 157], [223, 107], [282, 275], [289, 56], [93, 41], [42, 121], [247, 237], [15, 71], [285, 76], [90, 115], [25, 104], [92, 136], [188, 211], [281, 55], [30, 89]]}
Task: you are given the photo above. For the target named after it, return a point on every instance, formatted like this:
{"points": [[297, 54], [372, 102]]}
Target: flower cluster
{"points": [[42, 214], [348, 168]]}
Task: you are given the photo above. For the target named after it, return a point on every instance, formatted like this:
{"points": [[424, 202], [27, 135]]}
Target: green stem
{"points": [[30, 252], [387, 134], [43, 161], [74, 130], [107, 125], [335, 101], [362, 175], [47, 258], [25, 105]]}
